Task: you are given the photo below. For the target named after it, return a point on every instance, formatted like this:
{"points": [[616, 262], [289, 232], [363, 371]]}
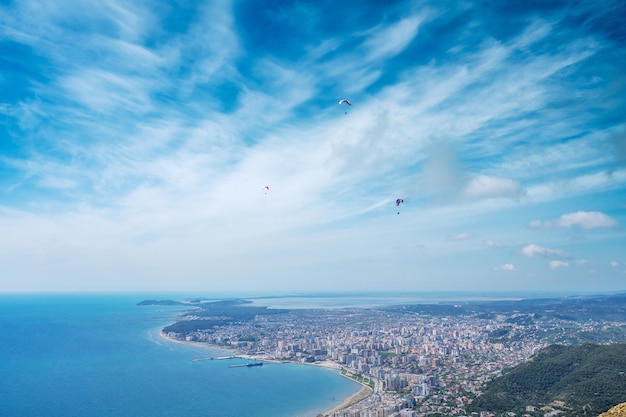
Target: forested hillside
{"points": [[589, 379]]}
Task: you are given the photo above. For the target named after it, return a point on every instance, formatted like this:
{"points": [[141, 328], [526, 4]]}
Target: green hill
{"points": [[589, 379]]}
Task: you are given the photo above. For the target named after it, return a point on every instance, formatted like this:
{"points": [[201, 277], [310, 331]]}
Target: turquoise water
{"points": [[96, 355]]}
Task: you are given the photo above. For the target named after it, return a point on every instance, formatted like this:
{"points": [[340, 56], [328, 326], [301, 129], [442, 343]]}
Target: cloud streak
{"points": [[584, 219], [483, 186], [506, 267], [558, 264], [533, 250]]}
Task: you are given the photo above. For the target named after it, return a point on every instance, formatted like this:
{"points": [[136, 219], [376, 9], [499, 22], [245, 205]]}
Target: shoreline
{"points": [[353, 399], [225, 350]]}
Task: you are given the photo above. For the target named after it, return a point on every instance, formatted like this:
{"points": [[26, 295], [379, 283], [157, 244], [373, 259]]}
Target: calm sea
{"points": [[96, 356]]}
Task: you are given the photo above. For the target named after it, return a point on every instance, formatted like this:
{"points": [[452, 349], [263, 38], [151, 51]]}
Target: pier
{"points": [[247, 365], [218, 358]]}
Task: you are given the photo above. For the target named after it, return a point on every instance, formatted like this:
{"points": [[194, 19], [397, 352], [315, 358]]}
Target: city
{"points": [[414, 364]]}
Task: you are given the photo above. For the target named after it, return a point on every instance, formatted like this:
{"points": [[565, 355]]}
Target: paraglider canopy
{"points": [[266, 188], [398, 202], [345, 101]]}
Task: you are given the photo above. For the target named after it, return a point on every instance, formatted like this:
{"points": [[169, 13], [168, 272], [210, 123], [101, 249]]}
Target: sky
{"points": [[137, 139]]}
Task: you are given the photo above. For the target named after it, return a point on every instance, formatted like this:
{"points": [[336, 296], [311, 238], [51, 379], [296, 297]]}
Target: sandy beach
{"points": [[363, 393]]}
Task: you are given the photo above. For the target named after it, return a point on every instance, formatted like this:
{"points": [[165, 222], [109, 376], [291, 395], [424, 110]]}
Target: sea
{"points": [[97, 355]]}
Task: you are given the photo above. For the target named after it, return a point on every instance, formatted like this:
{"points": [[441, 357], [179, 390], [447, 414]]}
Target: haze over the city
{"points": [[202, 146]]}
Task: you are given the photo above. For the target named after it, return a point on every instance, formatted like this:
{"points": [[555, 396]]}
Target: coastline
{"points": [[228, 351], [355, 398]]}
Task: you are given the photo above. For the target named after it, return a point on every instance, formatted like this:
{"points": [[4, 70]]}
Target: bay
{"points": [[89, 355], [384, 299]]}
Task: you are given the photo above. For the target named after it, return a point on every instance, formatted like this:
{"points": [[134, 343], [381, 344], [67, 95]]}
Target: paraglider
{"points": [[266, 188], [398, 202], [346, 102]]}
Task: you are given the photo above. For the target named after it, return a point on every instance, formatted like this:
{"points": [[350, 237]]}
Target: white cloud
{"points": [[537, 31], [484, 186], [460, 236], [614, 264], [505, 267], [579, 185], [584, 219], [581, 262], [533, 250], [558, 264], [491, 244], [391, 40], [103, 91]]}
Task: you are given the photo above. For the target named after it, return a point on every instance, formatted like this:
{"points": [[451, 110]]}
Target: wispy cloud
{"points": [[460, 236], [584, 219], [492, 244], [533, 250], [393, 39], [558, 264], [505, 267], [483, 186]]}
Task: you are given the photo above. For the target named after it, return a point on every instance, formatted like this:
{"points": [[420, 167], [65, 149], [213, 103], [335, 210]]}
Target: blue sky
{"points": [[136, 139]]}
